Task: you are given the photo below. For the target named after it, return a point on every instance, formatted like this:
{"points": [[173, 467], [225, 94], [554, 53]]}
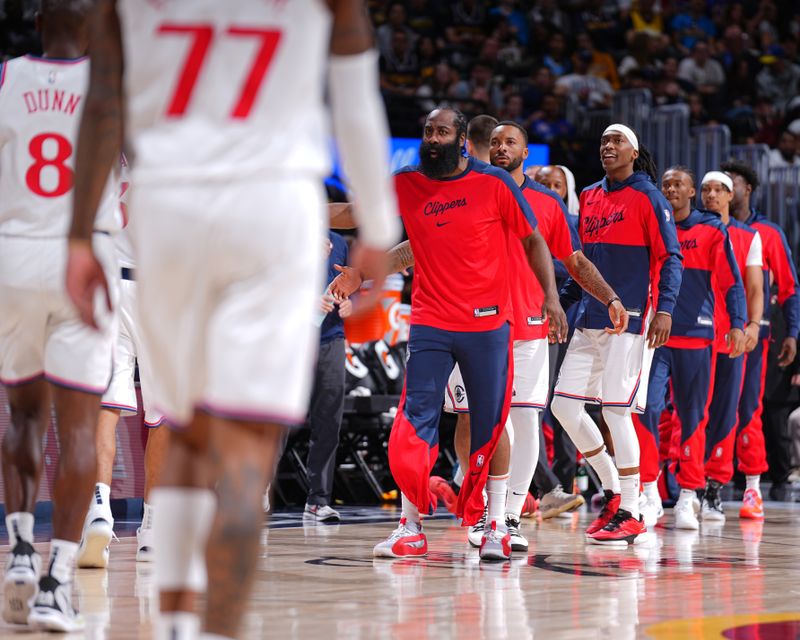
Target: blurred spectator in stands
{"points": [[481, 86], [590, 91], [399, 66], [692, 25], [735, 16], [779, 80], [668, 89], [396, 20], [467, 23], [556, 58], [424, 18], [639, 79], [740, 84], [764, 24], [645, 17], [640, 55], [549, 126], [18, 34], [514, 110], [561, 180], [510, 55], [785, 155], [546, 17], [767, 122], [697, 111], [701, 70], [507, 9], [538, 85], [733, 47], [428, 56], [437, 88], [602, 20], [602, 64]]}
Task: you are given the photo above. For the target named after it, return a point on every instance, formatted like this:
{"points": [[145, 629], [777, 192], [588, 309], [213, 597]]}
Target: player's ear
{"points": [[635, 154], [692, 193], [525, 152]]}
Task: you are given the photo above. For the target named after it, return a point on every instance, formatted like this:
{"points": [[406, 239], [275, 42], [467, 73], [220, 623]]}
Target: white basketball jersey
{"points": [[41, 102], [225, 89], [122, 240]]}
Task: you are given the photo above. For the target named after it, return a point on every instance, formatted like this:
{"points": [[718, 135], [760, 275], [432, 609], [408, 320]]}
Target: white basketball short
{"points": [[41, 333], [531, 372], [606, 369], [229, 280], [121, 393]]}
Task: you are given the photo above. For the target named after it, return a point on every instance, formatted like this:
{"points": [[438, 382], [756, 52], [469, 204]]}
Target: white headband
{"points": [[625, 131], [724, 178]]}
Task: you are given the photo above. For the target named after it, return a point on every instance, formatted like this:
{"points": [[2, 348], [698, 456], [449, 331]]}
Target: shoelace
{"points": [[750, 499], [402, 531], [513, 527], [615, 522], [481, 524]]}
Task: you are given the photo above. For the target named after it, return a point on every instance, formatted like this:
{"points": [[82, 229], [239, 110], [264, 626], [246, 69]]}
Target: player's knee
{"points": [[623, 433], [566, 410]]}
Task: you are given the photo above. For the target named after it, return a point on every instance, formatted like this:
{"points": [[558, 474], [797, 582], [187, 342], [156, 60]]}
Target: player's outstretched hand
{"points": [[365, 263], [559, 328], [345, 308], [618, 315], [788, 351], [659, 331], [735, 341], [84, 277], [346, 283], [751, 332]]}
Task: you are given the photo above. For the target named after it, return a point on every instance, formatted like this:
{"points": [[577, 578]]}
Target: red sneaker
{"points": [[404, 542], [530, 506], [608, 511], [752, 506], [622, 530], [441, 489]]}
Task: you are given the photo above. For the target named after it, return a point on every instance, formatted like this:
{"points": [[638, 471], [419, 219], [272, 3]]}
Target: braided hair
{"points": [[646, 163]]}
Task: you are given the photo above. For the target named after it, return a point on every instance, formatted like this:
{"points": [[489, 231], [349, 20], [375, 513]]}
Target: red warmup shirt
{"points": [[527, 295], [458, 229]]}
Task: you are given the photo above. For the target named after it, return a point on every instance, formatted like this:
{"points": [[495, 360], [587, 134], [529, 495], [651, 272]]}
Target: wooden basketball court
{"points": [[741, 580]]}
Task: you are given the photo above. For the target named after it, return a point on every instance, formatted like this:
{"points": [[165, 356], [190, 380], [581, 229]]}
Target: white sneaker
{"points": [[51, 609], [404, 542], [495, 544], [20, 582], [475, 532], [650, 509], [98, 531], [144, 545], [518, 541], [321, 513], [712, 503], [685, 512]]}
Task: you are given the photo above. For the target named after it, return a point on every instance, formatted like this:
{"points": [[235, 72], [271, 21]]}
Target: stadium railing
{"points": [[756, 156]]}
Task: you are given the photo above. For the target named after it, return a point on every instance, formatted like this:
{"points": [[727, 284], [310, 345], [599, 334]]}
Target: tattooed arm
{"points": [[99, 147], [591, 280], [399, 258]]}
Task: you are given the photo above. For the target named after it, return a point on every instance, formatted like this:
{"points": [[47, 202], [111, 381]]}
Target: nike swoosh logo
{"points": [[416, 545], [441, 224]]}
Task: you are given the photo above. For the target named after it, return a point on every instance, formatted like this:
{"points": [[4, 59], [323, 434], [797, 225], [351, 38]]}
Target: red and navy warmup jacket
{"points": [[627, 231], [709, 266], [778, 267]]}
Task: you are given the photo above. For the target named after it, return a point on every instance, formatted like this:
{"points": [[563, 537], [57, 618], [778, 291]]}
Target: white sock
{"points": [[753, 482], [687, 495], [177, 625], [185, 516], [147, 516], [629, 494], [524, 456], [410, 511], [61, 563], [104, 492], [604, 468], [496, 487], [458, 478], [650, 489], [19, 526]]}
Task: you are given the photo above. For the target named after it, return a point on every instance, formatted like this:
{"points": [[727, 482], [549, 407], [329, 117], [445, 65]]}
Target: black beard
{"points": [[445, 163], [513, 164]]}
